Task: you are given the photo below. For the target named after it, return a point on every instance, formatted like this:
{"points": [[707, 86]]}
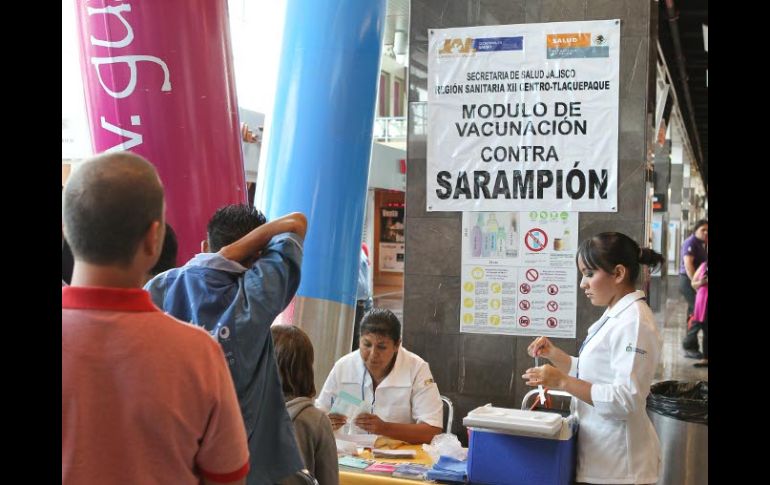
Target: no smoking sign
{"points": [[536, 239]]}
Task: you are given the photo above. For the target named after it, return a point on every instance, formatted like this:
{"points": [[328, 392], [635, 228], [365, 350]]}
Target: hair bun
{"points": [[649, 257]]}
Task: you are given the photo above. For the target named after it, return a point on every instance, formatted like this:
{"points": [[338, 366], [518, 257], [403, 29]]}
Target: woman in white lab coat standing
{"points": [[396, 383], [611, 377]]}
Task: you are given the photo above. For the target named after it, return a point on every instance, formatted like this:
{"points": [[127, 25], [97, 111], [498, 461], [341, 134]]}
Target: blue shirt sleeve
{"points": [[157, 290], [274, 278]]}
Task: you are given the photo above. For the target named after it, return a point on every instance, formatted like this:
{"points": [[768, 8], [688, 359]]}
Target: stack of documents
{"points": [[412, 471], [353, 463], [380, 453], [381, 468]]}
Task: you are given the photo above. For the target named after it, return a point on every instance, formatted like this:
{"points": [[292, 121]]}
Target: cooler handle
{"points": [[534, 392]]}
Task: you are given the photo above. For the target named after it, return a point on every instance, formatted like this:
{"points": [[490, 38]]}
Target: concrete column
{"points": [[318, 157], [159, 82], [662, 180], [475, 369]]}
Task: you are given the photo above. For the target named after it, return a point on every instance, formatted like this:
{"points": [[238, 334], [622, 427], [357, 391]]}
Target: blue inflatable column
{"points": [[318, 159]]}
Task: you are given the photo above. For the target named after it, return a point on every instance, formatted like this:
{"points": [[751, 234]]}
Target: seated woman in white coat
{"points": [[397, 383]]}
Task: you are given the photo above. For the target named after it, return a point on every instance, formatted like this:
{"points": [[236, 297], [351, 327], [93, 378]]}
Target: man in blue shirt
{"points": [[246, 275]]}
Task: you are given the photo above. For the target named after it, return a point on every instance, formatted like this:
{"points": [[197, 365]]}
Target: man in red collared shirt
{"points": [[146, 398]]}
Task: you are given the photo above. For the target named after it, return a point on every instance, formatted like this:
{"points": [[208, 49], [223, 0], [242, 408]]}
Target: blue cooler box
{"points": [[515, 447]]}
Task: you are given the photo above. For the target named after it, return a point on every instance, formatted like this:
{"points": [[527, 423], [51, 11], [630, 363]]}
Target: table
{"points": [[348, 477]]}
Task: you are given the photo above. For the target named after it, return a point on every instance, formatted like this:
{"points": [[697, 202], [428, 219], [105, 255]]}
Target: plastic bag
{"points": [[350, 407], [445, 444], [686, 401]]}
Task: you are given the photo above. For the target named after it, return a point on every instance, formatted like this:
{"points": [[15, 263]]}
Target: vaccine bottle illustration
{"points": [[476, 237], [512, 239], [491, 234], [501, 239]]}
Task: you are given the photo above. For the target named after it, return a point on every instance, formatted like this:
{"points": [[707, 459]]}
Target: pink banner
{"points": [[159, 82]]}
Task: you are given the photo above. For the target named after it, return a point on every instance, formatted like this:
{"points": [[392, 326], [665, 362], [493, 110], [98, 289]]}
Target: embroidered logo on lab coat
{"points": [[630, 348]]}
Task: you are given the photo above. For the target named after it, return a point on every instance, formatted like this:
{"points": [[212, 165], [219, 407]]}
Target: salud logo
{"points": [[577, 45], [568, 40]]}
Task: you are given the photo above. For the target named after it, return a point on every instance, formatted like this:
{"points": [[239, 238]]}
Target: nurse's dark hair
{"points": [[381, 321], [609, 249]]}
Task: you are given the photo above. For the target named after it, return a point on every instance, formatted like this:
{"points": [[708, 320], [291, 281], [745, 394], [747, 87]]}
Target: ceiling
{"points": [[396, 18], [689, 17]]}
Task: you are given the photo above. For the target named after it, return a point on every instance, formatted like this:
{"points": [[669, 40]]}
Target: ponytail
{"points": [[650, 258]]}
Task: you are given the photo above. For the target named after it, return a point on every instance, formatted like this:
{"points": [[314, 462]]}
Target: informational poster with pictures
{"points": [[518, 273], [391, 248], [523, 116]]}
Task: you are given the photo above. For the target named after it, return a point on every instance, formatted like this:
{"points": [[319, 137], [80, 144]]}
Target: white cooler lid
{"points": [[515, 420]]}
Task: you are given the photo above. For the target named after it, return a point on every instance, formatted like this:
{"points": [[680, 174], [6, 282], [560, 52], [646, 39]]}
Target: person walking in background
{"points": [[694, 253], [611, 377], [700, 315], [146, 398], [364, 300]]}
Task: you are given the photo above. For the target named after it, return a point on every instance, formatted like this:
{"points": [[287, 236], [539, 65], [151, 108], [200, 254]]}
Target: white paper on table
{"points": [[346, 447], [364, 440]]}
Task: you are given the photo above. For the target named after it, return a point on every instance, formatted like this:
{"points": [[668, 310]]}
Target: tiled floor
{"points": [[673, 364]]}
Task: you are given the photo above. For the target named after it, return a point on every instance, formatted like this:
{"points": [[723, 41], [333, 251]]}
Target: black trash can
{"points": [[679, 412]]}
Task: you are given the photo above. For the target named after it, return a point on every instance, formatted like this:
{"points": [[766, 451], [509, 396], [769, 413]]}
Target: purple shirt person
{"points": [[694, 250], [694, 253]]}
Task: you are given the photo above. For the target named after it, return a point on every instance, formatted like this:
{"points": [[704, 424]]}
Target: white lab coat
{"points": [[407, 395], [617, 442]]}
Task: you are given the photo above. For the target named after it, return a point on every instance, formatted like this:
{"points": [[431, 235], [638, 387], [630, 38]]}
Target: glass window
{"points": [[384, 98], [398, 97]]}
